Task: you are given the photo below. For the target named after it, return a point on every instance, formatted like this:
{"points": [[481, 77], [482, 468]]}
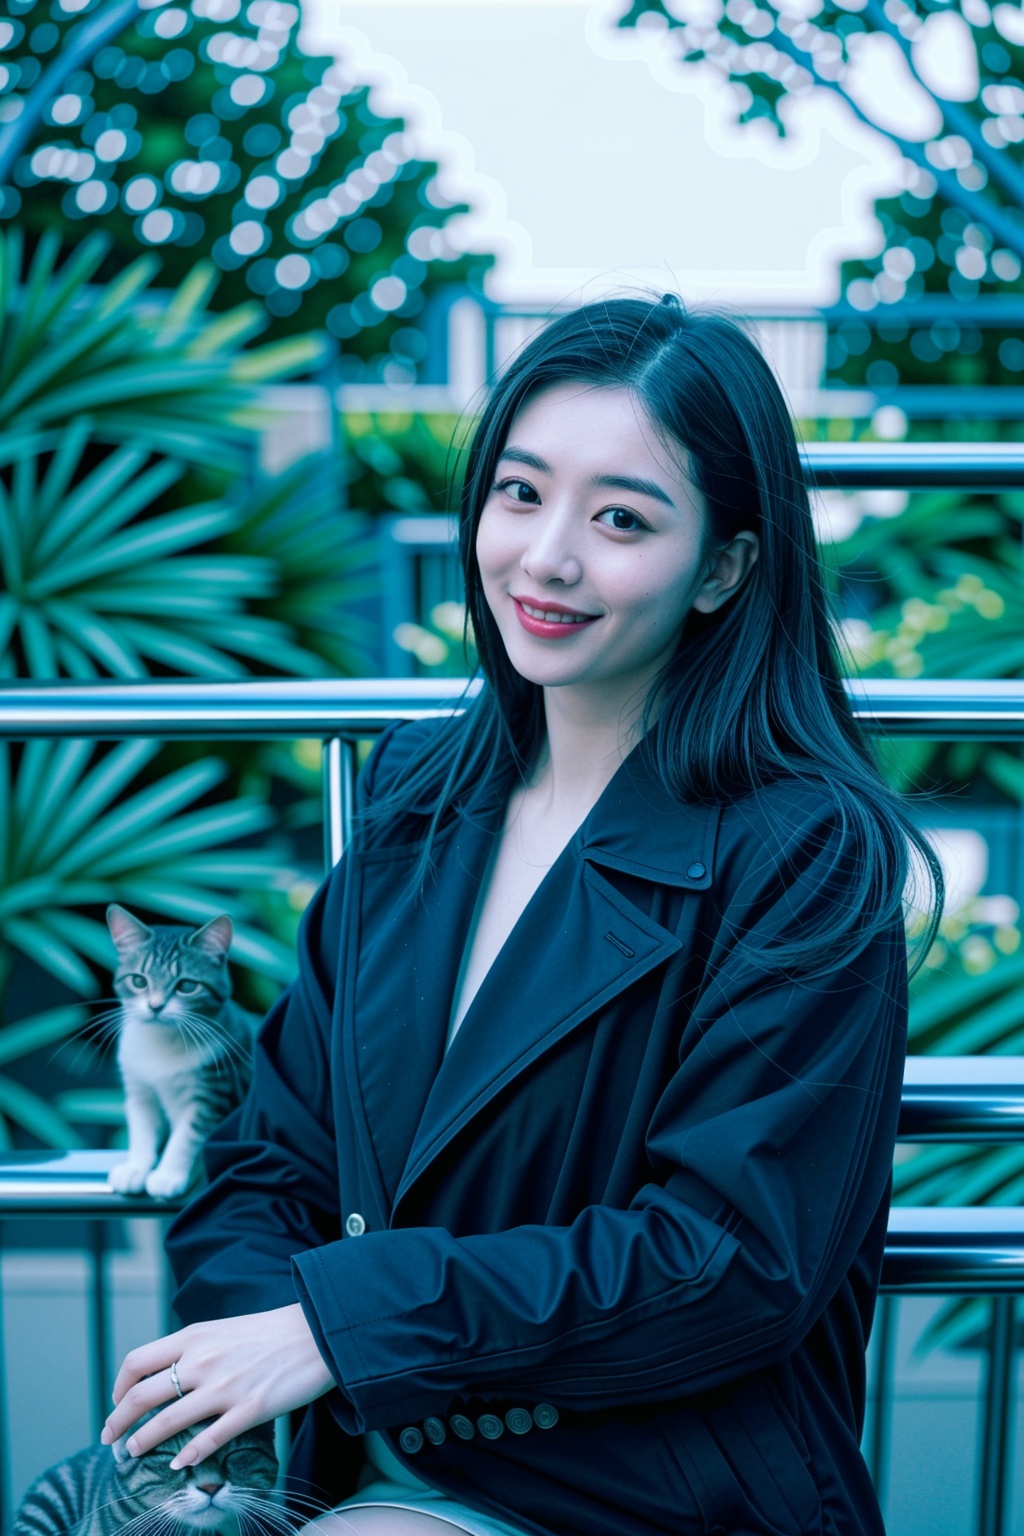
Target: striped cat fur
{"points": [[102, 1491]]}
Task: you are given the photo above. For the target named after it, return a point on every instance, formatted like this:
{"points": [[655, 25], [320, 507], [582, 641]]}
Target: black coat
{"points": [[647, 1187]]}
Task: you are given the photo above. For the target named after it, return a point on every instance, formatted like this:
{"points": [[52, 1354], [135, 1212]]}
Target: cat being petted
{"points": [[184, 1048], [103, 1490]]}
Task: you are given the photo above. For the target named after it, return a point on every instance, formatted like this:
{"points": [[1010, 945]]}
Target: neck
{"points": [[585, 744]]}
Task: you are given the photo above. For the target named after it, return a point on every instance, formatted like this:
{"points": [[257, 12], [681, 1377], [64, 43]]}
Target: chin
{"points": [[212, 1519]]}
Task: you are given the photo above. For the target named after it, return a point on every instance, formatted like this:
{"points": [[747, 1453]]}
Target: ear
{"points": [[732, 566], [213, 938], [125, 930]]}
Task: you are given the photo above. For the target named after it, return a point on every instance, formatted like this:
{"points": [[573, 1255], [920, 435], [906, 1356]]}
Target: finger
{"points": [[146, 1361], [212, 1437], [175, 1419], [149, 1393]]}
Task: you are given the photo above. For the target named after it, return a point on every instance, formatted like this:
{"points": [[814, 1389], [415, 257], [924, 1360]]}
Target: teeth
{"points": [[553, 618]]}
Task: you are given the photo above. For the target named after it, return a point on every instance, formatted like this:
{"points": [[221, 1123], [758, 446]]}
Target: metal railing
{"points": [[961, 1251]]}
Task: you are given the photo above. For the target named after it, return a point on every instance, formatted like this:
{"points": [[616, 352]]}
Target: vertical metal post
{"points": [[993, 1512], [398, 592], [339, 783], [878, 1445], [99, 1329], [169, 1321], [6, 1489]]}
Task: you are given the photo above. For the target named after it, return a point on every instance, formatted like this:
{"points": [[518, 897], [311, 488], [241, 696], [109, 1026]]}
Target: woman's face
{"points": [[590, 545]]}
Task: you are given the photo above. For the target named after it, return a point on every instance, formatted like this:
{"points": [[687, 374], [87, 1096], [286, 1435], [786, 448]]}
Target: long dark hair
{"points": [[753, 692]]}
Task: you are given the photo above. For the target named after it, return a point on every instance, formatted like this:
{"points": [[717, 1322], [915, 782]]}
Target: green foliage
{"points": [[401, 462], [81, 830], [129, 542], [136, 539], [203, 128], [323, 561]]}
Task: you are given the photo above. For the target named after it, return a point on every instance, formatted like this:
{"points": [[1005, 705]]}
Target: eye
{"points": [[138, 982], [189, 988], [623, 520], [513, 489]]}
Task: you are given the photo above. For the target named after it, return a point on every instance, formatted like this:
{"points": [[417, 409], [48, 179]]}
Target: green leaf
{"points": [[215, 824], [157, 537], [50, 953], [37, 1117], [279, 359], [96, 494], [147, 809], [106, 781], [91, 1106], [102, 640], [42, 1029]]}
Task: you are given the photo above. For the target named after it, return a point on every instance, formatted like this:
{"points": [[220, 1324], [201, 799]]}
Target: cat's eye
{"points": [[139, 982], [189, 988]]}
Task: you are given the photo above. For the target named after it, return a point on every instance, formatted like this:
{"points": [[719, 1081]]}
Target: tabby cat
{"points": [[184, 1048], [103, 1490]]}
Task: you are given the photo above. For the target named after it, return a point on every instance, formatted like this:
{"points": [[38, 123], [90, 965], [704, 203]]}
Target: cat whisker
{"points": [[91, 1035], [226, 1044], [276, 1514]]}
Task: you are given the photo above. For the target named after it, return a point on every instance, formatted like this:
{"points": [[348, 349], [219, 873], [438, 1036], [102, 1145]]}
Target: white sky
{"points": [[592, 160]]}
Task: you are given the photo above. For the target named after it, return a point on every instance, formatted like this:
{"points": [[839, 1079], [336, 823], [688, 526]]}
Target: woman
{"points": [[561, 1192]]}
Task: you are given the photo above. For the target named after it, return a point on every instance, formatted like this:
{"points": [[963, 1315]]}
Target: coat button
{"points": [[696, 871], [544, 1416], [461, 1426], [519, 1421], [490, 1426], [434, 1430], [411, 1440], [355, 1226]]}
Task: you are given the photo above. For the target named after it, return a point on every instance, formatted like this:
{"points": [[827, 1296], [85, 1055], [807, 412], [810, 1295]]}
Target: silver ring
{"points": [[175, 1383]]}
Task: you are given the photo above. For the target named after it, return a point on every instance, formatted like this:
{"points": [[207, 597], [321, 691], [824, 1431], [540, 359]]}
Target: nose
{"points": [[210, 1488], [551, 552]]}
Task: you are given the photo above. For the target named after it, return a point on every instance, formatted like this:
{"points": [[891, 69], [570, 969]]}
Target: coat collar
{"points": [[578, 944]]}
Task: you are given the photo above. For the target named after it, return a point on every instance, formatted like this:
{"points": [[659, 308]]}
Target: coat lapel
{"points": [[578, 944], [402, 963]]}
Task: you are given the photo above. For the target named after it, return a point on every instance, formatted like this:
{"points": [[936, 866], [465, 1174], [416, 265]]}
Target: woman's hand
{"points": [[238, 1371]]}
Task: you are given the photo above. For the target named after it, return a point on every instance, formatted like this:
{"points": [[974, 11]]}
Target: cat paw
{"points": [[165, 1183], [128, 1178]]}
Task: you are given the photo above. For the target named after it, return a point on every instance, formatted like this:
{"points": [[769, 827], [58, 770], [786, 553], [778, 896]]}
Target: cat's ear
{"points": [[126, 931], [213, 938]]}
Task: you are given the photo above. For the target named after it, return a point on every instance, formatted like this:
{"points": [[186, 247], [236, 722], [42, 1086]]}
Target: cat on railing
{"points": [[184, 1047], [103, 1490]]}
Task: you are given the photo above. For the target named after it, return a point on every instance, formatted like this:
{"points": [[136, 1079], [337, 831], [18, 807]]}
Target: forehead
{"points": [[598, 427]]}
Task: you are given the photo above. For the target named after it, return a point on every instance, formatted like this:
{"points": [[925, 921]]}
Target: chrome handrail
{"points": [[940, 709], [913, 466]]}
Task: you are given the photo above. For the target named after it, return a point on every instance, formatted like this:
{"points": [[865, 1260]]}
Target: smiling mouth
{"points": [[553, 615]]}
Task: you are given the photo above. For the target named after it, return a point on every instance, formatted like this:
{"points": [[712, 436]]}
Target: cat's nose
{"points": [[211, 1489]]}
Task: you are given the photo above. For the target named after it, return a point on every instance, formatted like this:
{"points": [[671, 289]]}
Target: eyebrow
{"points": [[634, 483]]}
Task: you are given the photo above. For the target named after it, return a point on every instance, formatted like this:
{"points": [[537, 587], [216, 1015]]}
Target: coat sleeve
{"points": [[272, 1164], [772, 1147]]}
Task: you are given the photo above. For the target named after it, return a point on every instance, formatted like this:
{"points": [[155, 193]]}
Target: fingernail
{"points": [[132, 1448], [105, 1437], [183, 1459]]}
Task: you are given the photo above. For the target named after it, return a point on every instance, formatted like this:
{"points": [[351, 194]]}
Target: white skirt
{"points": [[394, 1487]]}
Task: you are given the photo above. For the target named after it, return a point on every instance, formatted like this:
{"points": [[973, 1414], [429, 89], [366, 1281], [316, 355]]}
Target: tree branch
{"points": [[955, 115], [980, 209]]}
